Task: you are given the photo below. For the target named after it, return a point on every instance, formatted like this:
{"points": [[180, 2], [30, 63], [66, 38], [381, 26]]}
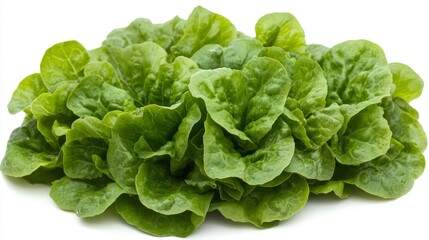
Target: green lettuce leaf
{"points": [[63, 62], [27, 151], [265, 207], [408, 84], [168, 195], [245, 103], [366, 138], [86, 199], [281, 30], [28, 90], [222, 160], [180, 225], [204, 27], [94, 97]]}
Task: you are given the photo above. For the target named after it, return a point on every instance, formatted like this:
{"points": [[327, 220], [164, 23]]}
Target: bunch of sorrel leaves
{"points": [[168, 122]]}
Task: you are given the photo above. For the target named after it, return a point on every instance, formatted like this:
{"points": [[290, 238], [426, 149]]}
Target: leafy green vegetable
{"points": [[168, 122]]}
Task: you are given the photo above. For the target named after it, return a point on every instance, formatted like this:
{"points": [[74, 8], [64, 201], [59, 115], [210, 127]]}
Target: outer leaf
{"points": [[87, 140], [85, 199], [63, 62], [28, 90], [158, 224], [281, 30], [50, 108], [264, 207], [313, 164], [163, 193], [366, 138], [139, 31], [222, 160], [27, 151], [388, 178], [403, 121], [339, 188], [204, 27], [94, 97], [351, 68], [408, 84]]}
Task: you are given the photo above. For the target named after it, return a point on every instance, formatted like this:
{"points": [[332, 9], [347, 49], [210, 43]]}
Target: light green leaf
{"points": [[209, 56], [27, 151], [245, 103], [366, 138], [408, 84], [309, 86], [204, 27], [87, 140], [313, 164], [94, 97], [240, 51], [63, 62], [317, 51], [167, 194], [86, 199], [172, 81], [265, 207], [222, 160], [138, 31], [28, 90], [137, 66], [281, 30], [403, 121], [339, 188]]}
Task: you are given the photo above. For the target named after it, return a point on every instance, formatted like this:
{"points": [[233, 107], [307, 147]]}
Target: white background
{"points": [[28, 28]]}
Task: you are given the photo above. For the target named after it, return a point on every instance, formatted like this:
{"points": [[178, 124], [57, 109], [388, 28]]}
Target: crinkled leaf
{"points": [[245, 103], [180, 225], [281, 30], [265, 207], [366, 138], [94, 97], [309, 86], [50, 108], [137, 66], [408, 84], [403, 121], [317, 51], [339, 188], [204, 27], [138, 31], [87, 140], [386, 177], [163, 193], [172, 81], [86, 199], [222, 160], [27, 151], [240, 51], [63, 62], [28, 90], [313, 164]]}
